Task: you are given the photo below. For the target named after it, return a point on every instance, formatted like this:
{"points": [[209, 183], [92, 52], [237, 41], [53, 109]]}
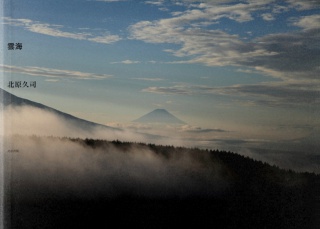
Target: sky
{"points": [[236, 71]]}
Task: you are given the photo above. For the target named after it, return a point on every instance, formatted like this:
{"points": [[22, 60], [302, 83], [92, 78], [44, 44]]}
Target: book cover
{"points": [[159, 114]]}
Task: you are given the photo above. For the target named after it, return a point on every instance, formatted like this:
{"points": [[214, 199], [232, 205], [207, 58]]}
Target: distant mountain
{"points": [[7, 99], [159, 116]]}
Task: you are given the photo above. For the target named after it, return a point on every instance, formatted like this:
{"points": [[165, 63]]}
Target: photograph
{"points": [[160, 114]]}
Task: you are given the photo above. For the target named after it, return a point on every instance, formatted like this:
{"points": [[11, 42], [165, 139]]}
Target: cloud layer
{"points": [[57, 31], [293, 93], [292, 57], [285, 55], [52, 73]]}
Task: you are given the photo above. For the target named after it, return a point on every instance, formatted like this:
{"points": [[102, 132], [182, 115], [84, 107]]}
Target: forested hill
{"points": [[259, 195], [155, 186]]}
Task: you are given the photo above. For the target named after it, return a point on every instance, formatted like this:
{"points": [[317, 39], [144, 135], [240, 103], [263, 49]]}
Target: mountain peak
{"points": [[159, 116]]}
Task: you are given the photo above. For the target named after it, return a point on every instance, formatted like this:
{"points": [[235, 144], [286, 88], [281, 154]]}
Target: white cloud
{"points": [[297, 55], [56, 31], [267, 17], [149, 79], [168, 30], [213, 47], [137, 62], [277, 93], [175, 90], [52, 73], [111, 0], [249, 71], [106, 39], [304, 4], [52, 80], [290, 93], [287, 55], [308, 22], [127, 62], [157, 3]]}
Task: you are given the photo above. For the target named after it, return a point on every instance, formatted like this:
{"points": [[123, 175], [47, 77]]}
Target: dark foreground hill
{"points": [[86, 183]]}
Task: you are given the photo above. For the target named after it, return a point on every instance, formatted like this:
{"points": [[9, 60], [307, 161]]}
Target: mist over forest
{"points": [[30, 120], [67, 182], [64, 172]]}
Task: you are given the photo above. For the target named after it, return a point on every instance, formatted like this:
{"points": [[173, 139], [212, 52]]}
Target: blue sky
{"points": [[247, 67]]}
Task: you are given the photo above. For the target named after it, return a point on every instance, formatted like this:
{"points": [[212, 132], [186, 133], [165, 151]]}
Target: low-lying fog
{"points": [[24, 120], [40, 167]]}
